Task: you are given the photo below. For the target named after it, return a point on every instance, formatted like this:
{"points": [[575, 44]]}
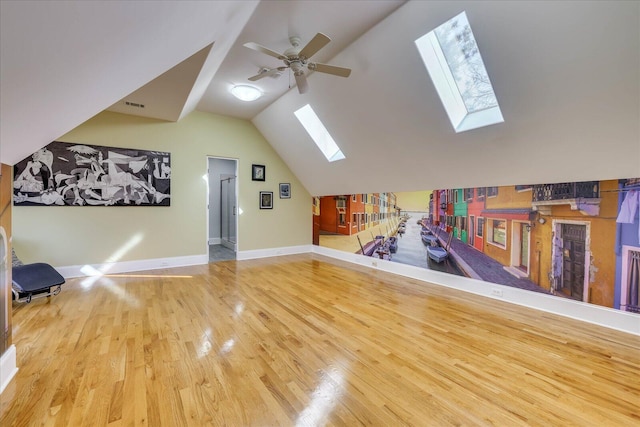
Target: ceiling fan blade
{"points": [[316, 43], [301, 82], [329, 69], [260, 48], [266, 73]]}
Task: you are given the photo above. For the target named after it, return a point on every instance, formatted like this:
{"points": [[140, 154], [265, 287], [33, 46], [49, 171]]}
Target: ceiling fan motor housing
{"points": [[297, 66]]}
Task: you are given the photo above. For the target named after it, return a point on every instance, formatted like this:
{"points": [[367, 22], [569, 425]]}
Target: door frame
{"points": [[207, 178], [556, 254]]}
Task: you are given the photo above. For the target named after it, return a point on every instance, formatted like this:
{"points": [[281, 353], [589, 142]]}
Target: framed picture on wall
{"points": [[266, 200], [258, 172], [285, 190], [73, 174]]}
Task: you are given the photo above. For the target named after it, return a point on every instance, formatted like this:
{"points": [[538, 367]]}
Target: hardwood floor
{"points": [[306, 340]]}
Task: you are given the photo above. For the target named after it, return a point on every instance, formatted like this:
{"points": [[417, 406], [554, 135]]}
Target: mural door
{"points": [[472, 230], [524, 247], [573, 259]]}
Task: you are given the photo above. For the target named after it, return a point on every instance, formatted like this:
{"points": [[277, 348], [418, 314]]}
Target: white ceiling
{"points": [[566, 74]]}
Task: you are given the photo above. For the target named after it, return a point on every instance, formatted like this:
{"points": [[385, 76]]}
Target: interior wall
{"points": [[66, 235], [218, 169]]}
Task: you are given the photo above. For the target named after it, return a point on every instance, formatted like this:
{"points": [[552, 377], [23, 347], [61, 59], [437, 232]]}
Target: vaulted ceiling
{"points": [[566, 74]]}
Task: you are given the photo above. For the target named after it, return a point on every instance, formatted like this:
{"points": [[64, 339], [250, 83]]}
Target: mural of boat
{"points": [[392, 242], [429, 239], [437, 253]]}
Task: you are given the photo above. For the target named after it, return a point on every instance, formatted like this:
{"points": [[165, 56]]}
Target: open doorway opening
{"points": [[223, 209]]}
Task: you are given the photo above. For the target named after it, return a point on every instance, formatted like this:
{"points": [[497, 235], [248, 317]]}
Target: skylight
{"points": [[319, 133], [452, 58]]}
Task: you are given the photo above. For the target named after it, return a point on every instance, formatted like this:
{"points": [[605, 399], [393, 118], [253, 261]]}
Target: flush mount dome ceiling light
{"points": [[246, 92]]}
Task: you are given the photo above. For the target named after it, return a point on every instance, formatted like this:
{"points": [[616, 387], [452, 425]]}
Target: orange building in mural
{"points": [[570, 217], [507, 227]]}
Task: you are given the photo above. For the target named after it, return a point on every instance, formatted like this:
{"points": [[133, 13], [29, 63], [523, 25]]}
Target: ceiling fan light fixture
{"points": [[246, 92]]}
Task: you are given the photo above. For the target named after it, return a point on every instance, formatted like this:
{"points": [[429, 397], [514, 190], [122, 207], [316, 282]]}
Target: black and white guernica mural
{"points": [[64, 174]]}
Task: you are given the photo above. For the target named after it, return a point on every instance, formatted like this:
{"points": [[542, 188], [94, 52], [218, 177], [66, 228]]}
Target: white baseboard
{"points": [[8, 368], [129, 266], [264, 253], [590, 313], [215, 241]]}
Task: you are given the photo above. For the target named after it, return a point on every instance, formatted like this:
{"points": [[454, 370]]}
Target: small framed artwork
{"points": [[266, 200], [285, 190], [258, 172]]}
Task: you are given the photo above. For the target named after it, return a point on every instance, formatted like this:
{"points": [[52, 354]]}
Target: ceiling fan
{"points": [[297, 60]]}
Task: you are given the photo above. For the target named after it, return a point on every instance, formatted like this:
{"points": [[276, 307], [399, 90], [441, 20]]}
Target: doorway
{"points": [[223, 209], [573, 261]]}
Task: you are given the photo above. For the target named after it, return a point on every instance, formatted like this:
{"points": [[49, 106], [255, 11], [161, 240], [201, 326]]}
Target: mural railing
{"points": [[566, 190]]}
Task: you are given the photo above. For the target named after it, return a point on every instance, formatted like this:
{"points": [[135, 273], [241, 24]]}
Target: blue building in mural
{"points": [[627, 249]]}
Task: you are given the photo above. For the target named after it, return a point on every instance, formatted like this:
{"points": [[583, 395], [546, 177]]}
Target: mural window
{"points": [[354, 198], [341, 202], [492, 191], [342, 218], [455, 197], [497, 232], [355, 219], [468, 194], [480, 228], [481, 192], [523, 187]]}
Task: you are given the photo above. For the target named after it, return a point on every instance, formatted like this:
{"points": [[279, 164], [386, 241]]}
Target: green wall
{"points": [[65, 235]]}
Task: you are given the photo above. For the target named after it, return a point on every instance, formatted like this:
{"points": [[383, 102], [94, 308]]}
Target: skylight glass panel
{"points": [[319, 133], [453, 60]]}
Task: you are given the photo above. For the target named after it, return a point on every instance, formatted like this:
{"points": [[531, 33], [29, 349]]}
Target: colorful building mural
{"points": [[475, 198], [507, 227], [574, 239], [460, 215], [350, 214], [577, 240], [627, 246]]}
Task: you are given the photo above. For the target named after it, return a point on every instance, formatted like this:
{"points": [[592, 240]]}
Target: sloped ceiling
{"points": [[62, 63], [165, 96], [566, 74]]}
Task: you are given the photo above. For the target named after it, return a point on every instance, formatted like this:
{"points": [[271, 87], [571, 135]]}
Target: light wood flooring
{"points": [[308, 341]]}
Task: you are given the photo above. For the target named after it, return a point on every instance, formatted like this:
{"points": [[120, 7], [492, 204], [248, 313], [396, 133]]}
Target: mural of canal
{"points": [[412, 251], [575, 240]]}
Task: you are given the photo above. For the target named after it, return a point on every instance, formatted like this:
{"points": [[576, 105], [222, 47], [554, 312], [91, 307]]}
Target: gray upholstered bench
{"points": [[34, 280]]}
